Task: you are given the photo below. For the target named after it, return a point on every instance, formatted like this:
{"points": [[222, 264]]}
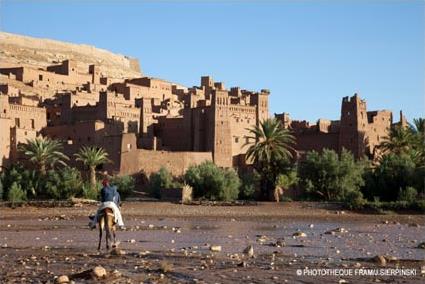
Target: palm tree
{"points": [[44, 152], [92, 157], [419, 126], [273, 147], [418, 130], [400, 140]]}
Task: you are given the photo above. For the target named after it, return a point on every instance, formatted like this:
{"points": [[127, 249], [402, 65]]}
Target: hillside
{"points": [[36, 52]]}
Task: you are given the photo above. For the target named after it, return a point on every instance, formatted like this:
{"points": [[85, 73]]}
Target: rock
{"points": [[379, 259], [132, 241], [249, 250], [99, 272], [280, 243], [215, 248], [337, 230], [390, 258], [416, 225], [62, 279], [299, 234], [117, 251], [242, 264], [116, 273], [421, 245]]}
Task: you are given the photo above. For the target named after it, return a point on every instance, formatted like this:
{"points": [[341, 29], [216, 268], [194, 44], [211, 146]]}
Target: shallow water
{"points": [[363, 239]]}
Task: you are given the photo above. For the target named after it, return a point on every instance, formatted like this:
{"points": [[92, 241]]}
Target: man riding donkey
{"points": [[108, 213]]}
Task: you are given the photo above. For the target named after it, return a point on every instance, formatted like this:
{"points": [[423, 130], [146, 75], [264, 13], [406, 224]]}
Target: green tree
{"points": [[44, 153], [92, 157], [270, 153], [329, 176], [212, 182], [162, 179], [394, 173], [399, 140]]}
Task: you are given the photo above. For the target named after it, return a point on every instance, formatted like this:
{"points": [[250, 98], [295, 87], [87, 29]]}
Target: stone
{"points": [[337, 230], [242, 264], [249, 251], [380, 259], [99, 272], [117, 251], [280, 243], [421, 245], [62, 279], [299, 234], [215, 248]]}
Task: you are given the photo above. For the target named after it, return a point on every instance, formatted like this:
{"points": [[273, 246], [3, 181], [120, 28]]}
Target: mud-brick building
{"points": [[20, 119], [358, 130]]}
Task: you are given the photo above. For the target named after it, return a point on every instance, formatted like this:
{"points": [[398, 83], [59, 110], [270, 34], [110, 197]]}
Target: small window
{"points": [[17, 122], [236, 139], [40, 77], [32, 123], [129, 146]]}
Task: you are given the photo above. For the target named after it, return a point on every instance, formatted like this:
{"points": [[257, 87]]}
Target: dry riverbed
{"points": [[173, 243]]}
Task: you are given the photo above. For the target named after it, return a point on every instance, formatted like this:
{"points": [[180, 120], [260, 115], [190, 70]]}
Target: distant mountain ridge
{"points": [[37, 52]]}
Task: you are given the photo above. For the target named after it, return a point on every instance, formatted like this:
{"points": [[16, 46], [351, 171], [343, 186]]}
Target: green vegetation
{"points": [[44, 153], [125, 185], [395, 182], [162, 179], [64, 184], [270, 150], [16, 194], [47, 176], [330, 177], [92, 157], [214, 183]]}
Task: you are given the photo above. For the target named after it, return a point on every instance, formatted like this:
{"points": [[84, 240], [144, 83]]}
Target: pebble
{"points": [[215, 248], [99, 272], [249, 250], [380, 260], [299, 234], [62, 279]]}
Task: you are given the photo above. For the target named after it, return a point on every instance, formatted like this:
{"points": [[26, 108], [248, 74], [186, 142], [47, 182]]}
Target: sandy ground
{"points": [[170, 243]]}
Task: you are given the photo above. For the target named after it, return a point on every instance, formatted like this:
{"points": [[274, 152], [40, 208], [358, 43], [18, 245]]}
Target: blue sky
{"points": [[310, 54]]}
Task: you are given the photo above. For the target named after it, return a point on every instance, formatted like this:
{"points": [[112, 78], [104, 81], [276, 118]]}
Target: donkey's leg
{"points": [[107, 231], [100, 233]]}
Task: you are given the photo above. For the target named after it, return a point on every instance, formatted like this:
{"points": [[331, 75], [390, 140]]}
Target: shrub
{"points": [[29, 180], [250, 183], [394, 172], [409, 194], [161, 179], [212, 182], [124, 184], [64, 183], [89, 192], [16, 194], [354, 200], [287, 180], [330, 177]]}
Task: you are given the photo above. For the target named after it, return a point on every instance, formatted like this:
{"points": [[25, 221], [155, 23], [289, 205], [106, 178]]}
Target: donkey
{"points": [[106, 221]]}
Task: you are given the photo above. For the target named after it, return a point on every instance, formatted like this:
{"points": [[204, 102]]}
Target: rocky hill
{"points": [[24, 50]]}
